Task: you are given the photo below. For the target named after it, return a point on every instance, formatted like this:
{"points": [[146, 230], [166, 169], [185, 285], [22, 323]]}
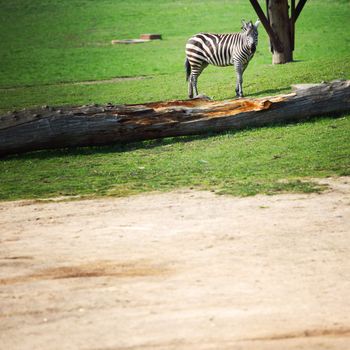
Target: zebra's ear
{"points": [[257, 24], [243, 23]]}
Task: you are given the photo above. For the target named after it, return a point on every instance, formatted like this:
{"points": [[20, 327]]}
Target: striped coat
{"points": [[235, 49]]}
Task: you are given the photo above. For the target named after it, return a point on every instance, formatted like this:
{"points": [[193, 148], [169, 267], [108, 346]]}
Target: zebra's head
{"points": [[251, 32]]}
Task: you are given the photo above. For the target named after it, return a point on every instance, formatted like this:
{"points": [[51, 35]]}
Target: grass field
{"points": [[49, 50]]}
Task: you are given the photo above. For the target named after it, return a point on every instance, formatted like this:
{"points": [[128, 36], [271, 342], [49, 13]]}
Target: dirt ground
{"points": [[181, 270]]}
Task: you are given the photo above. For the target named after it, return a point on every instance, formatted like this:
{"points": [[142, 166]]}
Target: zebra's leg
{"points": [[196, 72], [190, 86], [239, 81], [194, 82]]}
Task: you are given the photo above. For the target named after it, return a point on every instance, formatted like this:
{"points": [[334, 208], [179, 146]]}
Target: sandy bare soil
{"points": [[182, 270]]}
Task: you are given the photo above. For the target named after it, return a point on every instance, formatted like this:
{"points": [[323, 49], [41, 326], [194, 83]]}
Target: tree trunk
{"points": [[279, 20], [49, 127]]}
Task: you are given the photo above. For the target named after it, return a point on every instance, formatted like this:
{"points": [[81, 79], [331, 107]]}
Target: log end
{"points": [[300, 89]]}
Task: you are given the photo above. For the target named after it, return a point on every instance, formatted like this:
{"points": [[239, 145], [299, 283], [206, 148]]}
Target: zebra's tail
{"points": [[188, 69]]}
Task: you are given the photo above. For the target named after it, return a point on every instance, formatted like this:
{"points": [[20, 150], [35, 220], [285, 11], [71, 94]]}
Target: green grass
{"points": [[45, 42], [46, 46], [266, 160]]}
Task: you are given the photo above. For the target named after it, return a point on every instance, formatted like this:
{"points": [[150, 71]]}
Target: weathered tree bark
{"points": [[279, 20], [279, 27], [48, 127]]}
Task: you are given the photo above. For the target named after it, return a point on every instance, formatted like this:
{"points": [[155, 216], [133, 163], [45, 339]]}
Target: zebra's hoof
{"points": [[203, 97]]}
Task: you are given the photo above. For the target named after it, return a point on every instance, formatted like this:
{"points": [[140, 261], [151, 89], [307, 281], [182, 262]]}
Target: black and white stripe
{"points": [[234, 49]]}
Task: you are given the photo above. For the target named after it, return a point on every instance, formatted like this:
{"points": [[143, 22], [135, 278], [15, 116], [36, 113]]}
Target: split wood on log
{"points": [[49, 127]]}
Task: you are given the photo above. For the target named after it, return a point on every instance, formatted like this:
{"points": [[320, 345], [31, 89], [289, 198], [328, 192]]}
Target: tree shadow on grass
{"points": [[116, 148]]}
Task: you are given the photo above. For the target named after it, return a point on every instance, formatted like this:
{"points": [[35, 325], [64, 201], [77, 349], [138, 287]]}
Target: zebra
{"points": [[234, 49]]}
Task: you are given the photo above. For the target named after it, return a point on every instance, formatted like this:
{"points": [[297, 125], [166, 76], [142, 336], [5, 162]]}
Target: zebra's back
{"points": [[215, 49]]}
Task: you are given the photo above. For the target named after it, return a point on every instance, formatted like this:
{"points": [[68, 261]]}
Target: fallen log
{"points": [[48, 127]]}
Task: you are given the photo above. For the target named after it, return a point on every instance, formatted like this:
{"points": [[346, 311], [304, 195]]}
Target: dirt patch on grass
{"points": [[85, 82], [182, 270], [106, 81]]}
